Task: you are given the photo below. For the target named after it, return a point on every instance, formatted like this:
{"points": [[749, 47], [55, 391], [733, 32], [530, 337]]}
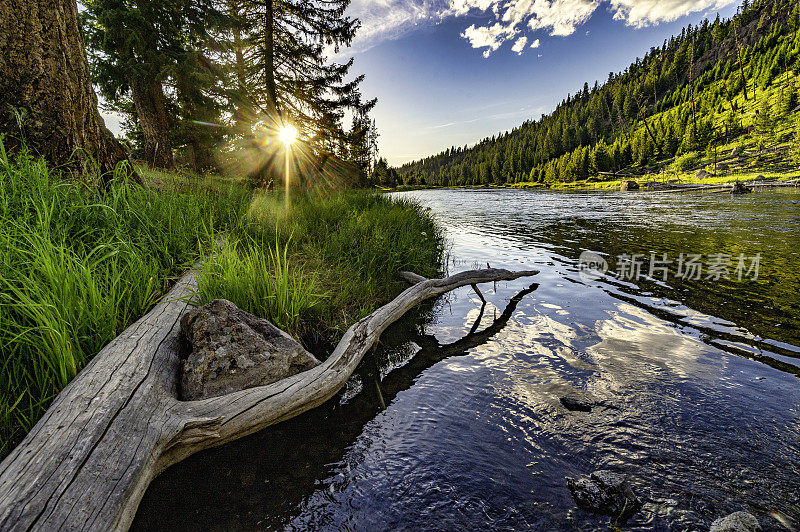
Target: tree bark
{"points": [[151, 109], [269, 61], [46, 96], [119, 423]]}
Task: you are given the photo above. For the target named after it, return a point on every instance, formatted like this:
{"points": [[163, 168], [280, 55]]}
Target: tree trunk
{"points": [[244, 114], [269, 61], [151, 109], [46, 96], [739, 57], [119, 423]]}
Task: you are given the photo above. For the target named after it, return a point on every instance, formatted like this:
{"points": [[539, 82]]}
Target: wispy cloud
{"points": [[510, 20], [524, 111], [640, 13], [383, 20]]}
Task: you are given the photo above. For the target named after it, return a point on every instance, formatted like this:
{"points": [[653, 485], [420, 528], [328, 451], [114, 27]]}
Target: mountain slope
{"points": [[716, 83]]}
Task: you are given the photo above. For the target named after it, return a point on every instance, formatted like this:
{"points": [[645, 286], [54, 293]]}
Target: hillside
{"points": [[720, 84]]}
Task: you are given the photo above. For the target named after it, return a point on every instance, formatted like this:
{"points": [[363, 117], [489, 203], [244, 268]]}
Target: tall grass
{"points": [[346, 249], [259, 281], [79, 263]]}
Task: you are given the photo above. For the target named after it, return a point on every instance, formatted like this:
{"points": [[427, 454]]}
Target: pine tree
{"points": [[135, 45], [765, 122], [291, 41]]}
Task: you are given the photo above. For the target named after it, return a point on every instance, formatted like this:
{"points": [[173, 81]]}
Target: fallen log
{"points": [[86, 464]]}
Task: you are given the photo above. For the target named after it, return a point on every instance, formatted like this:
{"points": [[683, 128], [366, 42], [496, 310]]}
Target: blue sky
{"points": [[448, 72]]}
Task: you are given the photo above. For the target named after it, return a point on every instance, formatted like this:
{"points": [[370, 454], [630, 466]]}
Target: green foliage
{"points": [[79, 264], [258, 280], [796, 140], [356, 242], [686, 162], [765, 122], [680, 117]]}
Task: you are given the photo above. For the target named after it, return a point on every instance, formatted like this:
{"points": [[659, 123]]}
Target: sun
{"points": [[287, 134]]}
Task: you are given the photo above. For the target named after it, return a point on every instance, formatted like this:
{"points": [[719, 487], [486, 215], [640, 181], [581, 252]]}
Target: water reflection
{"points": [[290, 470], [456, 422]]}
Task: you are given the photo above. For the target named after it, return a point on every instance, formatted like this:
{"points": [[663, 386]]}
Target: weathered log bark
{"points": [[148, 98], [87, 462], [44, 80]]}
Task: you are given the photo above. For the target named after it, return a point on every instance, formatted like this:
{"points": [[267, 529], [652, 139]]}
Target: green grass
{"points": [[79, 263], [346, 249]]}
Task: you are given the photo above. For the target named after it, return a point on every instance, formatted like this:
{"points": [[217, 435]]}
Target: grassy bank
{"points": [[78, 264]]}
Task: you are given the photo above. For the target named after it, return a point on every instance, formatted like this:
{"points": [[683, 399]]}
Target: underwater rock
{"points": [[736, 522], [605, 492], [574, 404]]}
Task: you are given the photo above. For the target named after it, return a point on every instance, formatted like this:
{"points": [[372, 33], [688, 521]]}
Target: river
{"points": [[455, 423]]}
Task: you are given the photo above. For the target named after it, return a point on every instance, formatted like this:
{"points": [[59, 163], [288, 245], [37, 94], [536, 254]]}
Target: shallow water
{"points": [[456, 422]]}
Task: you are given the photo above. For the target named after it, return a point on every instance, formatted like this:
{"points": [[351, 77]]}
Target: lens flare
{"points": [[287, 134]]}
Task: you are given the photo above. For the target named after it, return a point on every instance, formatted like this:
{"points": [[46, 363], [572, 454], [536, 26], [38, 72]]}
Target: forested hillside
{"points": [[703, 88]]}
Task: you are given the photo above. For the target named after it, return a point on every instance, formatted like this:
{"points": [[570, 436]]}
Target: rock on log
{"points": [[119, 423]]}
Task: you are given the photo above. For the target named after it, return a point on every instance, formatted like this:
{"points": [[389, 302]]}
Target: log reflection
{"points": [[261, 480]]}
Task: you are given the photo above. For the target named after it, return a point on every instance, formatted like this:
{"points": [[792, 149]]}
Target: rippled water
{"points": [[456, 422]]}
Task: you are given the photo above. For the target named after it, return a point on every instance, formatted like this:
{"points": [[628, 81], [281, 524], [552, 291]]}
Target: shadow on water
{"points": [[455, 421], [182, 498]]}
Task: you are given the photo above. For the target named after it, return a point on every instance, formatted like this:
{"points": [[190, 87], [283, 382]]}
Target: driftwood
{"points": [[119, 423]]}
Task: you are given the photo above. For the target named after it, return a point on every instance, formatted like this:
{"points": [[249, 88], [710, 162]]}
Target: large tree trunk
{"points": [[44, 76], [269, 61], [244, 112], [87, 462], [151, 109]]}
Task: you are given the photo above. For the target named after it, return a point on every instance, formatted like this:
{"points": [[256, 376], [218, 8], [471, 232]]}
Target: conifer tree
{"points": [[136, 45]]}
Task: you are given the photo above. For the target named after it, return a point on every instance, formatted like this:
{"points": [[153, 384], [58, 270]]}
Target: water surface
{"points": [[455, 423]]}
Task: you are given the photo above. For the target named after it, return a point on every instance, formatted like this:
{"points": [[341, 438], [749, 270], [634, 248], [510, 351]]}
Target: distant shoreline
{"points": [[694, 184]]}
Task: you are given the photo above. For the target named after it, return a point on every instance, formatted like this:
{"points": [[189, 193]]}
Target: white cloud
{"points": [[519, 46], [489, 37], [563, 17], [640, 13], [388, 19], [383, 20], [535, 44], [560, 17]]}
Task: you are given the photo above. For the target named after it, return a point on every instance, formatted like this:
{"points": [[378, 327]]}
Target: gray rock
{"points": [[230, 350], [736, 522], [605, 492], [575, 404], [702, 174]]}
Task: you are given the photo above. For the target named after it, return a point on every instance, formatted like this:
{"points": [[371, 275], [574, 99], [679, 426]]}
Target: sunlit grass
{"points": [[260, 281], [342, 250], [78, 264]]}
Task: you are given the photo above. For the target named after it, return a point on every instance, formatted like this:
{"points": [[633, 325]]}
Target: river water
{"points": [[455, 423]]}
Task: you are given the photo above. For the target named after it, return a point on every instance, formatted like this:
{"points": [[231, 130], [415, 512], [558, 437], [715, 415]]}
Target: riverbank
{"points": [[78, 264], [645, 182], [695, 360]]}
